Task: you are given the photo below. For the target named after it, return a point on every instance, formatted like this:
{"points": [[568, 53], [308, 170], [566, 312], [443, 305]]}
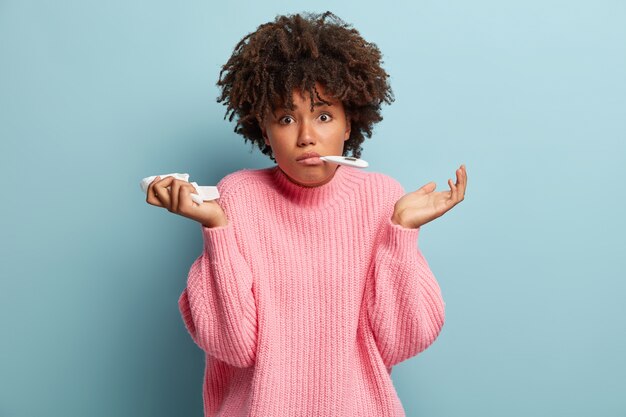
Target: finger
{"points": [[455, 187], [174, 190], [185, 201], [463, 183], [459, 184], [464, 180], [183, 196], [453, 191], [175, 193], [163, 193], [427, 188], [151, 197]]}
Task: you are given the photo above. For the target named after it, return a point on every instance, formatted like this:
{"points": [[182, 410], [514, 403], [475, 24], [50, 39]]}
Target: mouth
{"points": [[309, 158], [308, 155]]}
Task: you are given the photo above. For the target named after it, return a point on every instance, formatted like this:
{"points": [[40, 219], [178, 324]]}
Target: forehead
{"points": [[303, 98]]}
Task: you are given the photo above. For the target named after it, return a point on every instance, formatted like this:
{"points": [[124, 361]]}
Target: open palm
{"points": [[425, 204]]}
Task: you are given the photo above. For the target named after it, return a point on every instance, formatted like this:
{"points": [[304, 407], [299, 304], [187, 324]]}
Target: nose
{"points": [[306, 134]]}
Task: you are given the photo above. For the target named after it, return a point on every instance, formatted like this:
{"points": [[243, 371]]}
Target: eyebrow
{"points": [[316, 104]]}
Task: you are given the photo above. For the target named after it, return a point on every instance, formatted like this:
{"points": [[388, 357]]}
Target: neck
{"points": [[339, 186], [330, 177]]}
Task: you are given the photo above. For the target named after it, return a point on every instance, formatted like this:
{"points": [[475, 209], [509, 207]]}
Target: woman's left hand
{"points": [[419, 207]]}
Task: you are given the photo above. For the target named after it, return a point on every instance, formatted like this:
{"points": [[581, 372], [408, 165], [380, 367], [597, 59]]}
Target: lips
{"points": [[308, 155]]}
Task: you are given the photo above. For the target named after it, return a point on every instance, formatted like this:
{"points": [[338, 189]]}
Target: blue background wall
{"points": [[530, 95]]}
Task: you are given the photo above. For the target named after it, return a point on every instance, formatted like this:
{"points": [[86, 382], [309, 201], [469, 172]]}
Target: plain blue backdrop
{"points": [[530, 95]]}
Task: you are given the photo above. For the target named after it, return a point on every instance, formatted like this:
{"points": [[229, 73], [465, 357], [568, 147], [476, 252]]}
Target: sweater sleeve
{"points": [[218, 305], [404, 303]]}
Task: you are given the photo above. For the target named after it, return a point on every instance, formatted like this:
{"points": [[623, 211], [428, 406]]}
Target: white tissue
{"points": [[205, 192]]}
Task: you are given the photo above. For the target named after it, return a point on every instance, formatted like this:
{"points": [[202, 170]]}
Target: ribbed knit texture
{"points": [[305, 301]]}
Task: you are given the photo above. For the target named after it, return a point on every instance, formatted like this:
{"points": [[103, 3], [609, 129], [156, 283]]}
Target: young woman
{"points": [[310, 286]]}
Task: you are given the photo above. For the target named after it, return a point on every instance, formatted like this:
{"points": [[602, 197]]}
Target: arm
{"points": [[218, 305], [404, 303]]}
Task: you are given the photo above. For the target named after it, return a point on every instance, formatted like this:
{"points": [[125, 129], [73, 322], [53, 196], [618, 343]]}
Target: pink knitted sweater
{"points": [[308, 297]]}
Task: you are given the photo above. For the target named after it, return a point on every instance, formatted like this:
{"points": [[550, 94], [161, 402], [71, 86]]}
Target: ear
{"points": [[348, 129], [263, 131], [261, 125]]}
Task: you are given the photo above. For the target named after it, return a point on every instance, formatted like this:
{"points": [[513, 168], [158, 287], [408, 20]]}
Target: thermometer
{"points": [[346, 160]]}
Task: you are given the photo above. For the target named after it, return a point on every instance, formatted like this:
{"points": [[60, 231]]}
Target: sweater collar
{"points": [[340, 186]]}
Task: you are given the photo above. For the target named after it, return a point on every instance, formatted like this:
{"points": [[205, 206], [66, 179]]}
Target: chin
{"points": [[312, 182], [313, 176]]}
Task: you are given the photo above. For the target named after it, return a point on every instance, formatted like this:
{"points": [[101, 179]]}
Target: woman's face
{"points": [[299, 137]]}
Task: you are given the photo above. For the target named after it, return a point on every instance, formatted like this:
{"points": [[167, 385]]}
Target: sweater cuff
{"points": [[219, 242], [400, 240]]}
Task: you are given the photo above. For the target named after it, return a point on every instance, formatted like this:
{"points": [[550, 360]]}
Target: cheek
{"points": [[278, 150]]}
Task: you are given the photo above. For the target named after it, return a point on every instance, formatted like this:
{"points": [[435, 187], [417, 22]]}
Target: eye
{"points": [[325, 117], [285, 120]]}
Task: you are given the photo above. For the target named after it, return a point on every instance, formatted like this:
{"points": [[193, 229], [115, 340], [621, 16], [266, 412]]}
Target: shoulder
{"points": [[382, 184], [242, 181], [373, 189]]}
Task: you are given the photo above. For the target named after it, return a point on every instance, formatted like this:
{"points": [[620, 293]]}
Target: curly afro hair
{"points": [[293, 53]]}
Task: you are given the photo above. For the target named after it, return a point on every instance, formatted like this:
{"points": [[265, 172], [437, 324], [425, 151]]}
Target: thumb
{"points": [[429, 187]]}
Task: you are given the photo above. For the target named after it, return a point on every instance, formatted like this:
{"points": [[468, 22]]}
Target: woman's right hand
{"points": [[177, 199]]}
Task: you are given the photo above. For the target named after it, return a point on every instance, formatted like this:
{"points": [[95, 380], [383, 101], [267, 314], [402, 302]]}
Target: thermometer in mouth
{"points": [[346, 160]]}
